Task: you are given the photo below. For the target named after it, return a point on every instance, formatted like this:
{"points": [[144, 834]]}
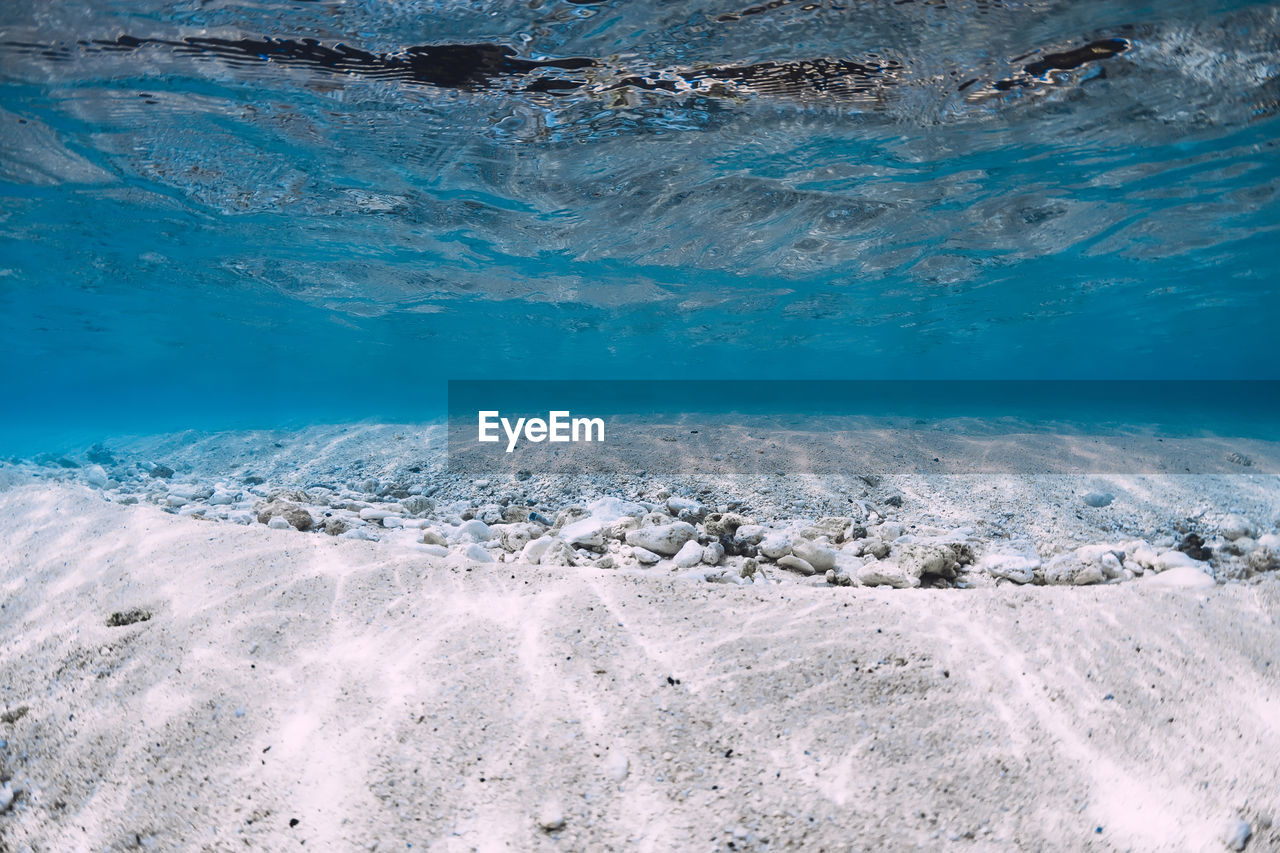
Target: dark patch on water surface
{"points": [[483, 65], [1065, 61]]}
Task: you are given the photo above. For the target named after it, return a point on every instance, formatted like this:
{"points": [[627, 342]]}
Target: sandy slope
{"points": [[381, 701]]}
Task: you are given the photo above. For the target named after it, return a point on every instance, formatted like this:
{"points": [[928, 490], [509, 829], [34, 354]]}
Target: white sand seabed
{"points": [[381, 699]]}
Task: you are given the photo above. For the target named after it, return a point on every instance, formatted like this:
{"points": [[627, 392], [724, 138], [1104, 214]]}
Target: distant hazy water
{"points": [[205, 238]]}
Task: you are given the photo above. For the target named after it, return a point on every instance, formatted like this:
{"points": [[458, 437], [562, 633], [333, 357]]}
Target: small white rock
{"points": [[677, 505], [1235, 527], [617, 766], [277, 522], [474, 530], [885, 573], [689, 555], [1235, 834], [818, 556], [584, 533], [476, 553], [1186, 577], [663, 538], [644, 555], [776, 544], [1019, 568], [550, 816], [532, 552], [380, 512], [611, 509], [1175, 560]]}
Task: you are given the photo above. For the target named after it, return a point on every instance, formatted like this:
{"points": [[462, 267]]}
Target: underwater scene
{"points": [[257, 213], [639, 425]]}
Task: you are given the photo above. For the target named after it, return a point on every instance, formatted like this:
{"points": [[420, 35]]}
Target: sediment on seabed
{"points": [[848, 527]]}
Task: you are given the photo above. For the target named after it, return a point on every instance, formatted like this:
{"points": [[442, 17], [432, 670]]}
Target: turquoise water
{"points": [[205, 228]]}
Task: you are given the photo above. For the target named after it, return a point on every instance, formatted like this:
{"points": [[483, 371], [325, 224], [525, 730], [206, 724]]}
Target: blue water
{"points": [[192, 237]]}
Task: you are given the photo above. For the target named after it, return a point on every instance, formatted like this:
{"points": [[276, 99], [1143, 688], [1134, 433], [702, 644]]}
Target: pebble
{"points": [[476, 553], [664, 539], [1099, 499], [678, 505], [96, 476], [1235, 527], [776, 544], [885, 573], [876, 549], [713, 554], [834, 528], [586, 533], [380, 512], [644, 555], [560, 554], [190, 491], [818, 556], [1088, 564], [533, 552], [1264, 559], [919, 559], [726, 524], [612, 509], [295, 516], [835, 578], [796, 564], [617, 766], [360, 533], [890, 530], [1186, 577], [277, 522], [417, 504], [1175, 560], [1019, 567], [1236, 834], [474, 530], [550, 817], [689, 555], [435, 550]]}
